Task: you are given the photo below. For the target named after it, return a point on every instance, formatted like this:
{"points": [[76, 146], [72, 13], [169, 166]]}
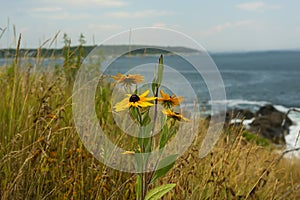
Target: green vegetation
{"points": [[255, 138], [42, 157], [109, 49]]}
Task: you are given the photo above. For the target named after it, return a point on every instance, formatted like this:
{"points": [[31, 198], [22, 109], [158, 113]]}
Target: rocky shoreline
{"points": [[268, 122]]}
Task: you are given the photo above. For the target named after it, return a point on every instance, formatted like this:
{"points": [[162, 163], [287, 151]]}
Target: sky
{"points": [[231, 25]]}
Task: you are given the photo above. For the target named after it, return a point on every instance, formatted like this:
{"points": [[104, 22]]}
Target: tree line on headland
{"points": [[109, 49]]}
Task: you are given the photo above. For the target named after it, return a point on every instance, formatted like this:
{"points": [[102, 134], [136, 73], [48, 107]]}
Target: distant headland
{"points": [[108, 49]]}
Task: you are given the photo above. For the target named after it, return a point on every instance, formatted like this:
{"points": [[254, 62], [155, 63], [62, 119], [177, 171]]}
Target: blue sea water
{"points": [[268, 76]]}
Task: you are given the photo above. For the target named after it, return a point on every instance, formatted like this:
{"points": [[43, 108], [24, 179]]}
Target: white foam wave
{"points": [[291, 139], [238, 102]]}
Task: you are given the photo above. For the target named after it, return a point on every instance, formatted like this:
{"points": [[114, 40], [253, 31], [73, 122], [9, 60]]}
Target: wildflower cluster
{"points": [[169, 102], [139, 104], [143, 101]]}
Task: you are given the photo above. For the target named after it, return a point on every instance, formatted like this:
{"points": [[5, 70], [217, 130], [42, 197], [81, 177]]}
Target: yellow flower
{"points": [[175, 115], [169, 101], [128, 153], [134, 100], [128, 80]]}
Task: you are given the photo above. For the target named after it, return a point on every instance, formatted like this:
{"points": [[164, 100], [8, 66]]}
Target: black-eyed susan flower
{"points": [[133, 100], [169, 101], [174, 115], [128, 80]]}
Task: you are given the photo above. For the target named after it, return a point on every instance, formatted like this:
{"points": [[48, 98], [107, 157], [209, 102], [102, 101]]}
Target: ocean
{"points": [[251, 79]]}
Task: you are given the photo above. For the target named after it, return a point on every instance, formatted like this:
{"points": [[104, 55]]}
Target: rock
{"points": [[234, 114], [232, 117], [266, 110], [242, 114], [276, 115], [268, 123]]}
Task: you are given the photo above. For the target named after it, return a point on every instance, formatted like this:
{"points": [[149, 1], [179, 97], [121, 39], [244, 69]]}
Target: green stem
{"points": [[155, 112], [141, 143], [149, 176]]}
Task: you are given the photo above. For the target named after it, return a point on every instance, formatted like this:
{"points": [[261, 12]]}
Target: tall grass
{"points": [[42, 157]]}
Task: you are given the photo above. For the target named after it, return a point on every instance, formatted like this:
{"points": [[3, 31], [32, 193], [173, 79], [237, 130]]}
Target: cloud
{"points": [[164, 25], [257, 6], [159, 24], [221, 27], [87, 3], [107, 3], [138, 14], [47, 9], [252, 6], [67, 15], [104, 27]]}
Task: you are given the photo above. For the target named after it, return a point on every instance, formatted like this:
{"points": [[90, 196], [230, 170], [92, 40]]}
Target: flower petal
{"points": [[145, 104], [145, 93], [128, 153], [122, 105], [149, 98]]}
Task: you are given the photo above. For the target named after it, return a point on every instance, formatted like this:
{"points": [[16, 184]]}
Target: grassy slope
{"points": [[41, 156]]}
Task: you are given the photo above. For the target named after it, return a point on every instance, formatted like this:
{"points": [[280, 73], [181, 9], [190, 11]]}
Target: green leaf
{"points": [[135, 113], [146, 119], [158, 192], [160, 69], [138, 186], [163, 137], [147, 146], [140, 161], [158, 76], [148, 139], [154, 85], [164, 166]]}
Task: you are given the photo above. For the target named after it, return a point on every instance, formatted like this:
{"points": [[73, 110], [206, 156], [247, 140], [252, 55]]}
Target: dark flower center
{"points": [[134, 98], [128, 80]]}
